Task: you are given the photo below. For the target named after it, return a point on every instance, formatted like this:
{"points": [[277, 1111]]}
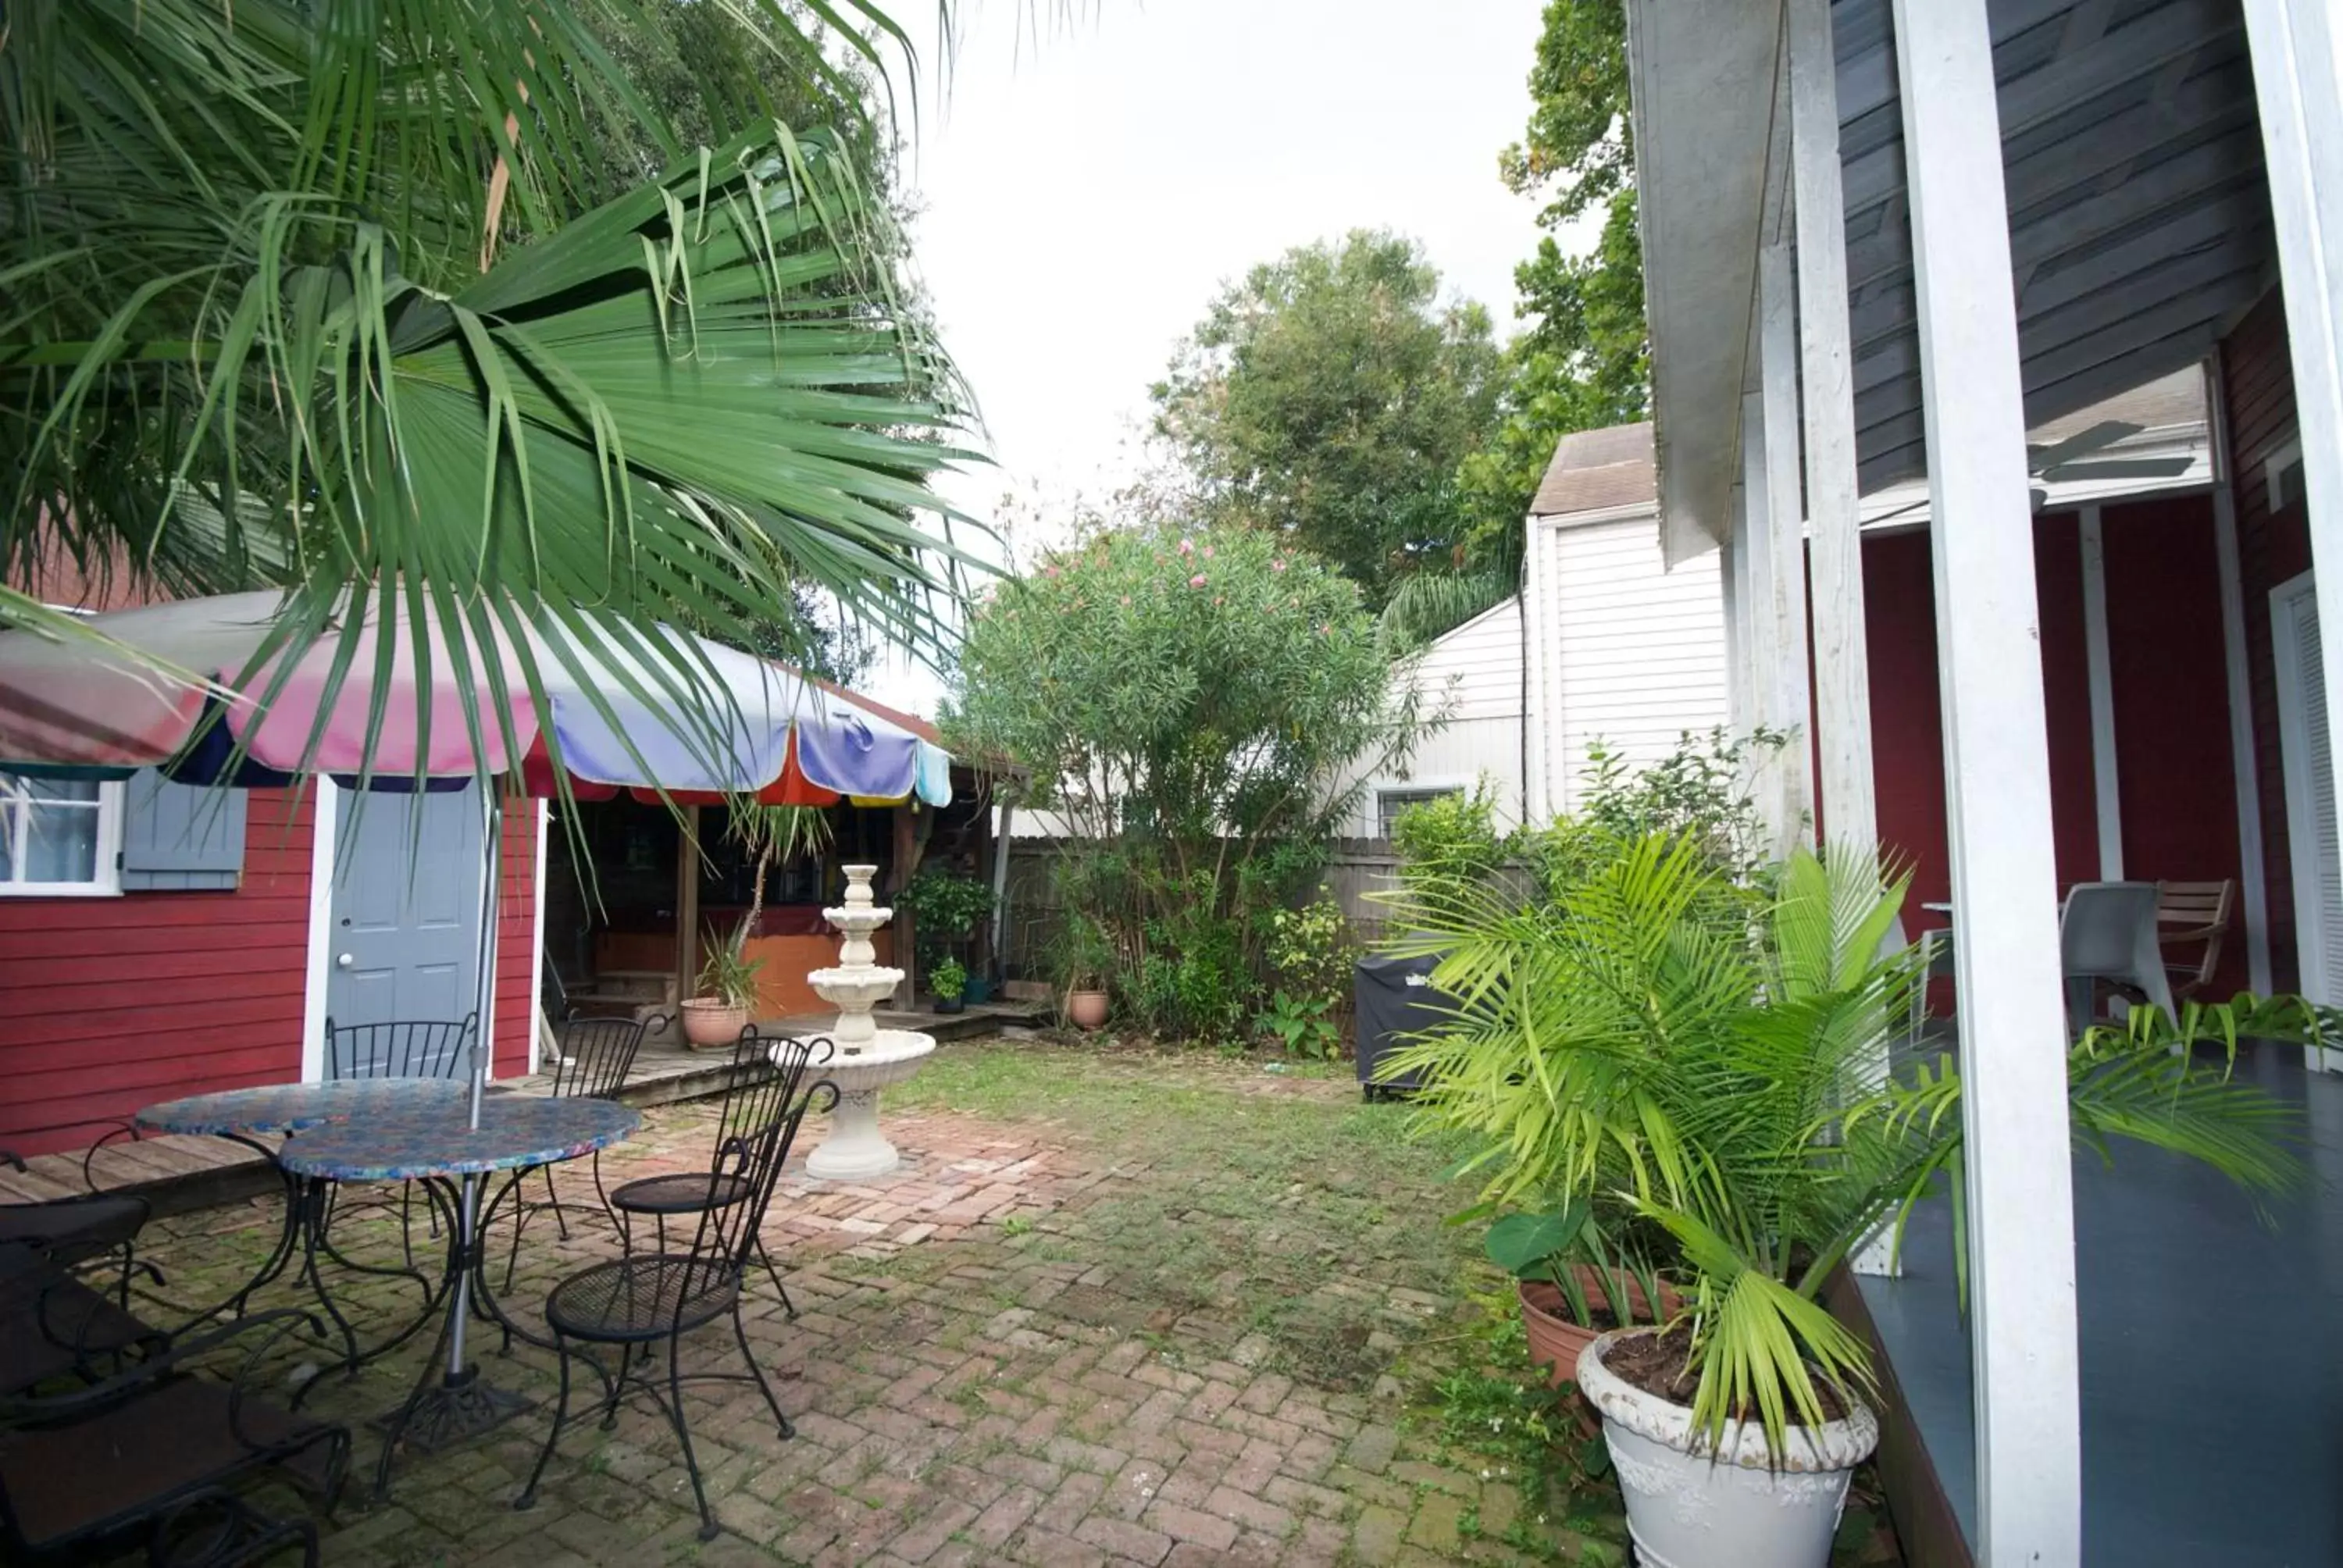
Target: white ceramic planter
{"points": [[1690, 1505]]}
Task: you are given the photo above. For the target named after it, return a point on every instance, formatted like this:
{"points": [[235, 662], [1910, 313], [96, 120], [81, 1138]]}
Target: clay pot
{"points": [[1555, 1341], [1086, 1009], [709, 1022]]}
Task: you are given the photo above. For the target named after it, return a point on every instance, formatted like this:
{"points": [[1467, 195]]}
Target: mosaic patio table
{"points": [[242, 1116], [433, 1147]]}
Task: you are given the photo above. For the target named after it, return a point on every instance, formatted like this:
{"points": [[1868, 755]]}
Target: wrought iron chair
{"points": [[79, 1231], [662, 1198], [53, 1325], [635, 1301], [598, 1054], [154, 1456], [415, 1048]]}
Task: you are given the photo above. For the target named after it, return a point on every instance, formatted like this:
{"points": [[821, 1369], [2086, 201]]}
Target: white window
{"points": [[1390, 803], [61, 837]]}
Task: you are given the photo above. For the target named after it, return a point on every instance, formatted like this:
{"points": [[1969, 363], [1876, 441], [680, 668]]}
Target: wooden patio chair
{"points": [[2191, 919]]}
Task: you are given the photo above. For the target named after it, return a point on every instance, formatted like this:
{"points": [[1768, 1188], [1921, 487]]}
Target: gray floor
{"points": [[2212, 1354]]}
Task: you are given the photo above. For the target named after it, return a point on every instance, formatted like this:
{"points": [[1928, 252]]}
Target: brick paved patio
{"points": [[1110, 1312]]}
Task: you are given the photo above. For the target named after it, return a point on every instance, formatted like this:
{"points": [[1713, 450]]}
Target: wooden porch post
{"points": [[1842, 682], [2297, 76], [2018, 1171], [687, 905]]}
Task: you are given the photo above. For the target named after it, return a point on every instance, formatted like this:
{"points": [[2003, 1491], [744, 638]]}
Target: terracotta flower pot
{"points": [[1555, 1341], [709, 1022], [1086, 1009]]}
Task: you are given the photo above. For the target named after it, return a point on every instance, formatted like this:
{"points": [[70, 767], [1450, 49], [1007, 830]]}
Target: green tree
{"points": [[1583, 360], [1329, 397], [1195, 706], [344, 297]]}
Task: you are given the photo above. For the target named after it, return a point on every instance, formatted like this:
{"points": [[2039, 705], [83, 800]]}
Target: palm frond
{"points": [[1425, 604]]}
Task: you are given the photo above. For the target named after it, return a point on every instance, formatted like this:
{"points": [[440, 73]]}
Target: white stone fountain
{"points": [[867, 1057]]}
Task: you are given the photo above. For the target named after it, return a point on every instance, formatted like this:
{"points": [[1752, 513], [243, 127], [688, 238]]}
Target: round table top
{"points": [[290, 1107], [401, 1143]]}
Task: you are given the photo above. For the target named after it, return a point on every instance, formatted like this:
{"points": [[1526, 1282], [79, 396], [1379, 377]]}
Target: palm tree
{"points": [[325, 294]]}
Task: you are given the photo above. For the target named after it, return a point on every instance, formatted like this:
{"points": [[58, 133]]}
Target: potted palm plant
{"points": [[728, 976], [1729, 1082], [1085, 957]]}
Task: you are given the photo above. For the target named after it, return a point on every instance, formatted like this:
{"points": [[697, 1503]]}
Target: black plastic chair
{"points": [[153, 1457], [597, 1056], [636, 1301], [664, 1198]]}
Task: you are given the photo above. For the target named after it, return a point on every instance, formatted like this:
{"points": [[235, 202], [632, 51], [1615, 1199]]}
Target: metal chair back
{"points": [[597, 1056], [434, 1049], [764, 1105]]}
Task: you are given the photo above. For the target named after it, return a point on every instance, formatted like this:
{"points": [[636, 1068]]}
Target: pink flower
{"points": [[1278, 564], [1196, 581], [1050, 571], [1126, 601], [1219, 599], [1186, 548], [1208, 552]]}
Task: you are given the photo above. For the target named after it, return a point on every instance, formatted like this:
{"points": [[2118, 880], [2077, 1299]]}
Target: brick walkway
{"points": [[993, 1363]]}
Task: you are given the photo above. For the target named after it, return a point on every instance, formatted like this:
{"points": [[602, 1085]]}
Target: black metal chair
{"points": [[597, 1056], [154, 1456], [635, 1301], [54, 1326], [80, 1231], [664, 1198], [436, 1048], [410, 1049]]}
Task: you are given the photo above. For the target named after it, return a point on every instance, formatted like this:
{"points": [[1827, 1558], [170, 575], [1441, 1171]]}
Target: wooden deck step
{"points": [[173, 1173]]}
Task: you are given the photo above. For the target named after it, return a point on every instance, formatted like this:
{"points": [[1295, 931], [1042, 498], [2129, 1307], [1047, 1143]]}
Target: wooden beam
{"points": [[1842, 696], [2019, 1183], [2099, 675], [2298, 82], [687, 906], [1760, 610]]}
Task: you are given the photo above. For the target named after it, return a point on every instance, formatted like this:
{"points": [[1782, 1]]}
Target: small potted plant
{"points": [[1084, 956], [948, 980], [1570, 1279], [727, 995]]}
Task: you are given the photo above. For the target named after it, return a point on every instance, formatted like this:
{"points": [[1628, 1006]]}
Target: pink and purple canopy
{"points": [[685, 715]]}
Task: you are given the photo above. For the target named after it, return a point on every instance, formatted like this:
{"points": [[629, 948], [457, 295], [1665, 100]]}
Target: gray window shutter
{"points": [[180, 837]]}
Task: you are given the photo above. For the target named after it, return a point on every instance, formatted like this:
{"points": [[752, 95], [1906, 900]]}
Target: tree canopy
{"points": [[1329, 397], [379, 309], [1582, 359], [1196, 705]]}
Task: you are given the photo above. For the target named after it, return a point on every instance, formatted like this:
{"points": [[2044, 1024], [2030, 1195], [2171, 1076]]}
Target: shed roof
{"points": [[1593, 470]]}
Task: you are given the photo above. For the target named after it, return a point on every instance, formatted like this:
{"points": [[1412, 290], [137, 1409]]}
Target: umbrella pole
{"points": [[492, 854]]}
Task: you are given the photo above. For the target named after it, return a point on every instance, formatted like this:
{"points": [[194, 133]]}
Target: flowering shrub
{"points": [[1189, 702]]}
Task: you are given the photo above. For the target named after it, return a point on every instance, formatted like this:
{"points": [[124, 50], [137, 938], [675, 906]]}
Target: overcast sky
{"points": [[1083, 195]]}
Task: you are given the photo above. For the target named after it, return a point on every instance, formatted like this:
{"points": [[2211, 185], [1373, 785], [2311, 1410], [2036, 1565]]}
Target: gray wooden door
{"points": [[406, 908]]}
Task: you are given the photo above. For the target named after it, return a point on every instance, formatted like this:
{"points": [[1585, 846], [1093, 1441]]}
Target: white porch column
{"points": [[2021, 1233], [1786, 547], [1773, 640], [2244, 765], [1842, 683], [2299, 83]]}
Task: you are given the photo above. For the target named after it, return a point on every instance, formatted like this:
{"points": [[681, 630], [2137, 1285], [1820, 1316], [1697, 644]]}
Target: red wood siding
{"points": [[2164, 634], [109, 1004], [2257, 389], [2170, 683]]}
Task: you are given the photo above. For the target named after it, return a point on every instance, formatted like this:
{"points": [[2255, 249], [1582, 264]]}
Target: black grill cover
{"points": [[1391, 998]]}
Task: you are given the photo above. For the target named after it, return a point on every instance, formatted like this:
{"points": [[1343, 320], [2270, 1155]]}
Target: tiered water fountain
{"points": [[868, 1058]]}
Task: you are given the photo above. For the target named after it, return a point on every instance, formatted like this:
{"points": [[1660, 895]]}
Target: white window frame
{"points": [[107, 883], [1433, 788], [2287, 454]]}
